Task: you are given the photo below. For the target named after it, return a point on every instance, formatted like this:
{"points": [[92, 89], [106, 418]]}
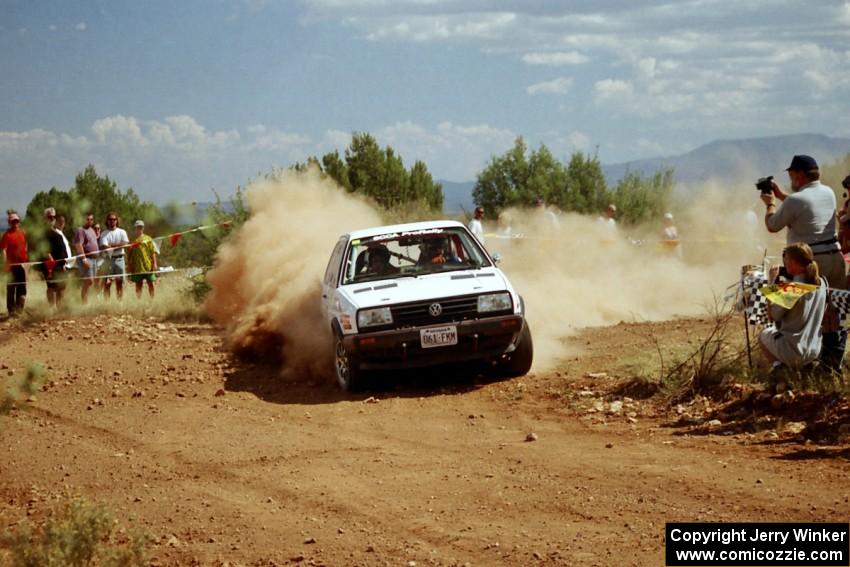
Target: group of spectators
{"points": [[99, 258], [607, 220], [809, 332]]}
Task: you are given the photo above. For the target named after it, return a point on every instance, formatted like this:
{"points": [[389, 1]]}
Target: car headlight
{"points": [[494, 302], [373, 317]]}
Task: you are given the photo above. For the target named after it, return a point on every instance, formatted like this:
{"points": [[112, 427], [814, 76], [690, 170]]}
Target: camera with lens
{"points": [[764, 184], [782, 275]]}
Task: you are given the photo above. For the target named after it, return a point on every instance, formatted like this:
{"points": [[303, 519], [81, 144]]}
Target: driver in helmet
{"points": [[379, 261], [436, 251]]}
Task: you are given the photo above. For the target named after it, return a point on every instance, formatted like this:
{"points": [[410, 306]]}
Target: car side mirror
{"points": [[497, 258]]}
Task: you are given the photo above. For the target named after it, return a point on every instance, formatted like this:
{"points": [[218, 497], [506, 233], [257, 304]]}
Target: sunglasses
{"points": [[111, 219]]}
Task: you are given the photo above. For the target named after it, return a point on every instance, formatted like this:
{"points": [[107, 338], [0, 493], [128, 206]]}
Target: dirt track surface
{"points": [[223, 462]]}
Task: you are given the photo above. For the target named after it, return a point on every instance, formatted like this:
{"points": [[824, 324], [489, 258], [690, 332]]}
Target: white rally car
{"points": [[421, 294]]}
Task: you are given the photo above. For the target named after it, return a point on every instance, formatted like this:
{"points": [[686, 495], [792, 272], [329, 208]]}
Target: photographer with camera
{"points": [[809, 214]]}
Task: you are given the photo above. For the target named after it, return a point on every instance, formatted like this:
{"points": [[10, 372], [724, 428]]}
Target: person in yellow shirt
{"points": [[142, 260]]}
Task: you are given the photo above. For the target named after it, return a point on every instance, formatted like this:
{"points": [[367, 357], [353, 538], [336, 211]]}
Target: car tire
{"points": [[348, 373], [519, 361]]}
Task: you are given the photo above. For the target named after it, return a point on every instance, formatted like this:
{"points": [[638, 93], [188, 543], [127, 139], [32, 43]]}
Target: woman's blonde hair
{"points": [[802, 254]]}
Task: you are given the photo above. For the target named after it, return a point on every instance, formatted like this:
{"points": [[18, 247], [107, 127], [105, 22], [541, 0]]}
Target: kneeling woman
{"points": [[796, 340]]}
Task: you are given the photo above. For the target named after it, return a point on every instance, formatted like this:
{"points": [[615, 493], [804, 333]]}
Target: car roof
{"points": [[408, 227]]}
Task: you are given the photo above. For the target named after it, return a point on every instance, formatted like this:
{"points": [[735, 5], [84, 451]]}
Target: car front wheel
{"points": [[519, 361], [348, 373]]}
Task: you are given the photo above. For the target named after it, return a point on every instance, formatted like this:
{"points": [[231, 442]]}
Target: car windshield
{"points": [[412, 253]]}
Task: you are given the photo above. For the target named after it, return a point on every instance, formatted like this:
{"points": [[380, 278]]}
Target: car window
{"points": [[412, 253], [332, 271]]}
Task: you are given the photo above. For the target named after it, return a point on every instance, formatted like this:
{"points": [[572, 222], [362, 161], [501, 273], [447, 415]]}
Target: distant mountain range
{"points": [[721, 161]]}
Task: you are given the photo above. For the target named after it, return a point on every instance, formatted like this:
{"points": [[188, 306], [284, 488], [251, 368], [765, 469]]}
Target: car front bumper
{"points": [[401, 348]]}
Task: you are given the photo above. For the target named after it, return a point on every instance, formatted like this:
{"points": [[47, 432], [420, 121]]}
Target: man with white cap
{"points": [[670, 236], [13, 243]]}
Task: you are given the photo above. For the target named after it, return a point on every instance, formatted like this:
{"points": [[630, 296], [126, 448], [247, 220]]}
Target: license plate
{"points": [[438, 336]]}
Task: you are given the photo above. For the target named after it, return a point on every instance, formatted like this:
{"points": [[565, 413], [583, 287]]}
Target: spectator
{"points": [[86, 247], [550, 216], [98, 275], [54, 265], [475, 226], [608, 219], [113, 242], [142, 260], [13, 243], [809, 214], [796, 341], [670, 236], [60, 228]]}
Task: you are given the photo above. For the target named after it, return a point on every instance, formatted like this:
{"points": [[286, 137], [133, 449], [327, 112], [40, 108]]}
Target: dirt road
{"points": [[223, 462]]}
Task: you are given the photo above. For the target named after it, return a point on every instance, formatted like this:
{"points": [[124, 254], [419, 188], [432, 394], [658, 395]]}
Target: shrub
{"points": [[80, 534], [25, 387]]}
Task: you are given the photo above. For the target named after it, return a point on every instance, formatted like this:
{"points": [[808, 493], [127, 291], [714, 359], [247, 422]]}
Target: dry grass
{"points": [[174, 301]]}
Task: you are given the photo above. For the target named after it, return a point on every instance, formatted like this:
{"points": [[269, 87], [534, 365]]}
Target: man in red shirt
{"points": [[13, 243]]}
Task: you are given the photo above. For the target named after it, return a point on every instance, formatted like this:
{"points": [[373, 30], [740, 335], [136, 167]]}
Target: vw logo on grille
{"points": [[435, 309]]}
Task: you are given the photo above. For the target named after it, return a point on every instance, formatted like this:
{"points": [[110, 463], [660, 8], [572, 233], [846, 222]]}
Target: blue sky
{"points": [[176, 98]]}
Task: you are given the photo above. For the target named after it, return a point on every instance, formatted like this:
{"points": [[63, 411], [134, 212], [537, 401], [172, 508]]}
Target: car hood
{"points": [[423, 288]]}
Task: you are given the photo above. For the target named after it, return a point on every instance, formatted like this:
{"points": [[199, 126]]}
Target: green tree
{"points": [[422, 187], [333, 165], [641, 199], [93, 193], [90, 193], [379, 173], [515, 179], [518, 178], [586, 188]]}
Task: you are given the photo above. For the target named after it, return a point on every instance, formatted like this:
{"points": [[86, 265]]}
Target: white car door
{"points": [[329, 282]]}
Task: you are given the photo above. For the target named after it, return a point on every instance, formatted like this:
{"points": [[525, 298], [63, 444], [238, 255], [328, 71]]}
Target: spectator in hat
{"points": [[808, 213], [670, 236], [13, 244], [54, 265], [142, 259]]}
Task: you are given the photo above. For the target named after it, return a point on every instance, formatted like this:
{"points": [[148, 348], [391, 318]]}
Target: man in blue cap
{"points": [[808, 213]]}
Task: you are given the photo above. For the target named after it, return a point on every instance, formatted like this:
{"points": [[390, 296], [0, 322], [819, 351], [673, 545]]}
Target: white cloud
{"points": [[81, 26], [611, 88], [704, 58], [120, 130], [556, 58], [177, 158], [450, 150], [336, 140], [437, 28], [561, 85]]}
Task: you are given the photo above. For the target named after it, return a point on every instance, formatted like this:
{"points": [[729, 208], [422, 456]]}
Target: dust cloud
{"points": [[574, 272], [571, 271], [266, 283]]}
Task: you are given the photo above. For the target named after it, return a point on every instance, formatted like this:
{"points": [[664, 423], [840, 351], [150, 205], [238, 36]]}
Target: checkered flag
{"points": [[840, 299], [755, 304]]}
